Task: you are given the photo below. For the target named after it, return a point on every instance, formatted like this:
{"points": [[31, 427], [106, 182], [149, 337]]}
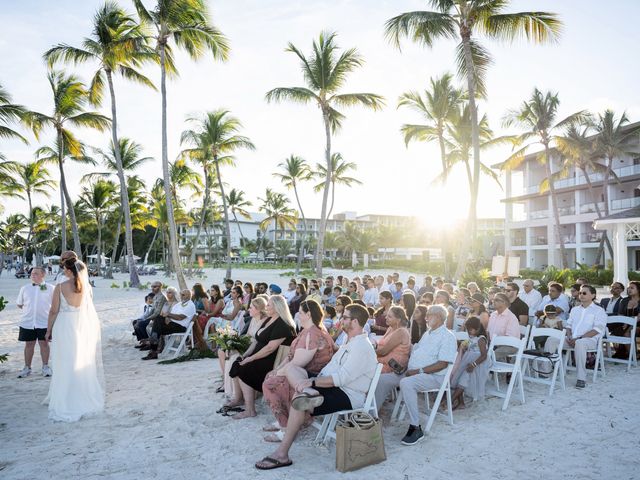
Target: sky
{"points": [[593, 66]]}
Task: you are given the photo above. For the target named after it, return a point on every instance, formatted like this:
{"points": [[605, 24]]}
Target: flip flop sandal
{"points": [[274, 463], [232, 411], [230, 408], [305, 401]]}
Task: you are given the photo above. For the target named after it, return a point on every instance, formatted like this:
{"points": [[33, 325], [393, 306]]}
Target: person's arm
{"points": [[53, 312], [20, 299], [523, 319], [513, 327], [157, 308], [395, 339], [267, 350], [237, 305], [436, 367], [482, 344], [450, 316]]}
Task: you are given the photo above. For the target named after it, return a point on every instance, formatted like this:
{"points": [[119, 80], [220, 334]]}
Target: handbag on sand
{"points": [[359, 442]]}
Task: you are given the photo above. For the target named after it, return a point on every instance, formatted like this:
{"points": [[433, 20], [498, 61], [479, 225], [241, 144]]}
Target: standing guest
{"points": [[380, 324], [370, 298], [478, 309], [427, 364], [611, 305], [418, 323], [34, 299], [175, 321], [291, 290], [557, 299], [341, 385], [301, 295], [443, 298], [586, 325], [531, 297], [159, 301], [503, 322], [516, 305], [427, 287], [472, 366]]}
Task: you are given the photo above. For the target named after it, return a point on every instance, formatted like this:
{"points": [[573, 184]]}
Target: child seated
{"points": [[550, 319]]}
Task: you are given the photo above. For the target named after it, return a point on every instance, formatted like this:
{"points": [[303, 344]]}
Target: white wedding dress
{"points": [[77, 383]]}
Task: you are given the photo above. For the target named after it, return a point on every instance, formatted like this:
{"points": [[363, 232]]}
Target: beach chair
{"points": [[631, 341], [326, 429], [399, 409], [557, 363], [514, 369], [175, 343]]}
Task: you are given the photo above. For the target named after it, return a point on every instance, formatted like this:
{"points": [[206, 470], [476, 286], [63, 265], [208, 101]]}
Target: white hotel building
{"points": [[529, 221]]}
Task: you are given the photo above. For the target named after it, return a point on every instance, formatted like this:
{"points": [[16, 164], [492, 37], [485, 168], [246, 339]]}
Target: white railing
{"points": [[625, 203], [538, 214]]}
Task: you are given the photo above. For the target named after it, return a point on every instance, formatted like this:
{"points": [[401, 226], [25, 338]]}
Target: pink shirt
{"points": [[503, 324]]}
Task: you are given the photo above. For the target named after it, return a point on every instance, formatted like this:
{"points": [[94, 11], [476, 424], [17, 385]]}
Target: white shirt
{"points": [[36, 304], [583, 320], [188, 309], [342, 338], [532, 299], [289, 294], [434, 346], [352, 368], [371, 297]]}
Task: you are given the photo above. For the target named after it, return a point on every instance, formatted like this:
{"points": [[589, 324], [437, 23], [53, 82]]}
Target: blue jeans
{"points": [[140, 329]]}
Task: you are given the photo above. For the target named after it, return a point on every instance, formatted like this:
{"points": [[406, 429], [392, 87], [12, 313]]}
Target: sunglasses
{"points": [[584, 293]]}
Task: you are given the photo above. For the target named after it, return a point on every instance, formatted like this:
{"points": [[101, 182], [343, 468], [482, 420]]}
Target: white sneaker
{"points": [[46, 371], [26, 371]]}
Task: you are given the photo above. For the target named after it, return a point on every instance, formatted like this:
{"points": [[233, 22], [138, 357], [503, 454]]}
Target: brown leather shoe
{"points": [[152, 355]]}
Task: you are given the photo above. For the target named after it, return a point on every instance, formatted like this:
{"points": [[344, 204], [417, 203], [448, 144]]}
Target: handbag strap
{"points": [[361, 420]]}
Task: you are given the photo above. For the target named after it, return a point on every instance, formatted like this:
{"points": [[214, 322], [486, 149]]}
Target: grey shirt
{"points": [[156, 307]]}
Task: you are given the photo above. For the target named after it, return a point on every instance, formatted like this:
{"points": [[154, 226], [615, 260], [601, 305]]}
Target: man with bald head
{"points": [[531, 297]]}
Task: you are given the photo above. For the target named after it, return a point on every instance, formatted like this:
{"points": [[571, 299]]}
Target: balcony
{"points": [[625, 203], [518, 241], [591, 207], [538, 214], [568, 210], [591, 237], [538, 239]]}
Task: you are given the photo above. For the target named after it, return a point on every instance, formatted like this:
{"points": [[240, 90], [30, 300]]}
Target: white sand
{"points": [[160, 422]]}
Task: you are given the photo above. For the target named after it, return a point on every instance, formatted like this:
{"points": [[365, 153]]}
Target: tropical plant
{"points": [[185, 22], [462, 20], [238, 206], [294, 170], [275, 206], [537, 116], [10, 113], [339, 169], [99, 198], [325, 72]]}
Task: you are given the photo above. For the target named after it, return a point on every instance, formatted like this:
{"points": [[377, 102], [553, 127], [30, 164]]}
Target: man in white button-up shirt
{"points": [[34, 300], [531, 297]]}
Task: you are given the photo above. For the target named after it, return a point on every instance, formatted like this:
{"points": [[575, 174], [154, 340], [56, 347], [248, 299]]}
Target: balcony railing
{"points": [[538, 239], [570, 210], [591, 237], [591, 207], [518, 242], [625, 203], [538, 214]]}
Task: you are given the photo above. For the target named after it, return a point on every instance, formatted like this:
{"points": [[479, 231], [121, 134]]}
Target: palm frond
{"points": [[421, 27]]}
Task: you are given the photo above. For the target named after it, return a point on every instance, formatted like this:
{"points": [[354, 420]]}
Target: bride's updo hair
{"points": [[75, 266]]}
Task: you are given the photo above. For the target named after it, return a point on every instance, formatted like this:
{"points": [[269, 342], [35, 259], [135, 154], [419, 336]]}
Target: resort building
{"points": [[529, 221]]}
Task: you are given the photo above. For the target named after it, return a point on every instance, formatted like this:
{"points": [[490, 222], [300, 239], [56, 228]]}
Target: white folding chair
{"points": [[557, 363], [171, 350], [524, 331], [631, 341], [326, 430], [458, 323], [599, 359], [399, 408], [515, 368]]}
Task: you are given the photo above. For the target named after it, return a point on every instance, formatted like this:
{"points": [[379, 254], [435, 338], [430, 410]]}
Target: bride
{"points": [[77, 384]]}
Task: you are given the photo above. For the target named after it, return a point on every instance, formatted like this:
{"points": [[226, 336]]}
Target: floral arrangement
{"points": [[228, 339], [43, 287]]}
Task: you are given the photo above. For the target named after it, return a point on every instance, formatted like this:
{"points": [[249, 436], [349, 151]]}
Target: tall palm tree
{"points": [[214, 139], [294, 171], [537, 117], [70, 99], [98, 199], [325, 72], [10, 113], [461, 20], [276, 207], [32, 178], [238, 206], [436, 106], [118, 45], [186, 22], [339, 176], [8, 187]]}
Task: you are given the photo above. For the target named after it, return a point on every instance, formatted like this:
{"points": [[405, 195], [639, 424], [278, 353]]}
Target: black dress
{"points": [[254, 373]]}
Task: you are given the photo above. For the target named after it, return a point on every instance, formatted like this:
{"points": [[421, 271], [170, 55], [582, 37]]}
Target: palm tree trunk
{"points": [[134, 280], [235, 218], [604, 239], [325, 196], [227, 226], [173, 235], [109, 273], [203, 213], [155, 234], [333, 199], [72, 214], [63, 213], [26, 245], [443, 159], [554, 207], [304, 232], [99, 223]]}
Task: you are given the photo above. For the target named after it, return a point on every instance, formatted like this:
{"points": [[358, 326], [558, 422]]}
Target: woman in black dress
{"points": [[278, 329]]}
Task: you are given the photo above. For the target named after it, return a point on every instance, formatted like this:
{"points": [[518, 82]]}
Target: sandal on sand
{"points": [[306, 401], [275, 437], [268, 463], [230, 408]]}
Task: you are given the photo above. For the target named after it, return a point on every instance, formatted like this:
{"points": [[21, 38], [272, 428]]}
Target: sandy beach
{"points": [[160, 421]]}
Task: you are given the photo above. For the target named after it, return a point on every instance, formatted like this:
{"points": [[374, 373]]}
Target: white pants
{"points": [[410, 386], [386, 384], [580, 352]]}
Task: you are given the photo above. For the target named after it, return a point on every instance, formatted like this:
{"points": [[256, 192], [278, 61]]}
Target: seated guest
{"points": [[341, 385], [370, 298], [502, 322], [329, 318], [462, 310], [146, 309], [443, 298], [309, 353], [557, 298], [586, 325], [157, 305], [393, 351], [396, 292], [550, 319], [176, 320], [573, 297], [531, 297], [408, 302], [427, 363], [328, 297], [215, 307], [314, 292], [386, 302], [478, 309], [471, 370], [300, 296], [473, 288], [231, 309], [426, 299], [337, 291], [275, 289], [411, 285], [199, 298], [611, 305], [248, 294], [427, 287], [341, 302], [291, 291], [226, 294], [629, 307], [516, 305], [278, 329], [418, 323]]}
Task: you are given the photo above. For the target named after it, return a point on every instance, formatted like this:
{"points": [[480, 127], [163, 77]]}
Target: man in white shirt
{"points": [[371, 294], [341, 385], [34, 300], [531, 297], [427, 365], [175, 321], [585, 327], [291, 291], [558, 299]]}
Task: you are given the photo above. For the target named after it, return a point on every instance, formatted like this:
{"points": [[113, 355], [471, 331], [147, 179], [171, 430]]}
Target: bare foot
{"points": [[241, 415]]}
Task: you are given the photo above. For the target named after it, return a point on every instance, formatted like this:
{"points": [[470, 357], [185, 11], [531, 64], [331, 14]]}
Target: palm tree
{"points": [[70, 98], [294, 171], [32, 178], [11, 228], [8, 187], [238, 206], [325, 73], [436, 107], [339, 169], [537, 116], [99, 199], [118, 45], [275, 206], [187, 23], [10, 113], [460, 20], [215, 138]]}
